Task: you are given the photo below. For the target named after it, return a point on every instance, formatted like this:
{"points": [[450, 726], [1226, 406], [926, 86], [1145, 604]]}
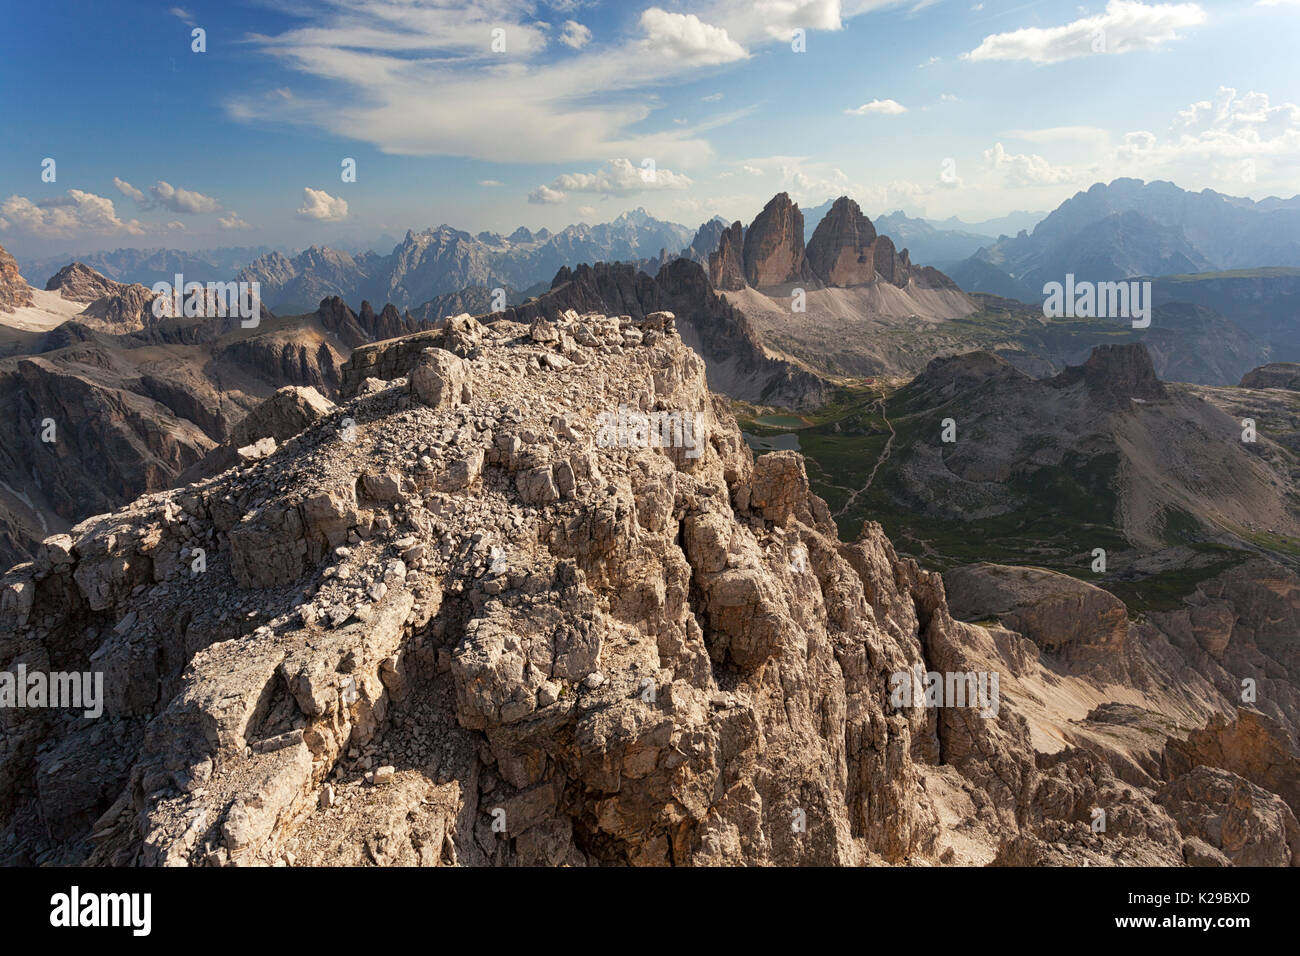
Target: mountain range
{"points": [[442, 261], [1130, 228]]}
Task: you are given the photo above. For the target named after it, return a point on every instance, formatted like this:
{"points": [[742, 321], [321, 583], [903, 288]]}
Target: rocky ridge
{"points": [[458, 620]]}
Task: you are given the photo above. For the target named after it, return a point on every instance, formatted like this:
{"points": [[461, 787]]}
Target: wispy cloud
{"points": [[422, 77], [618, 177], [881, 107], [1125, 26], [575, 35]]}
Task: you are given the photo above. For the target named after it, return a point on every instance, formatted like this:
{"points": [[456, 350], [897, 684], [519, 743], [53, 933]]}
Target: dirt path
{"points": [[884, 456]]}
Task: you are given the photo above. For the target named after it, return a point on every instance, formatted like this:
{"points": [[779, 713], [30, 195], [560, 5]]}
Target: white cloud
{"points": [[232, 221], [1076, 135], [688, 39], [320, 206], [126, 189], [1125, 26], [751, 20], [587, 211], [72, 216], [163, 194], [490, 183], [711, 98], [882, 107], [1229, 129], [575, 35], [618, 177], [182, 200], [751, 170], [180, 13], [419, 78], [545, 195], [1026, 170]]}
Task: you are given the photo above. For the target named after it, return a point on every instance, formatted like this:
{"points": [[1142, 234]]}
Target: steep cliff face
{"points": [[844, 252], [727, 264], [841, 249], [533, 602], [773, 246], [15, 293]]}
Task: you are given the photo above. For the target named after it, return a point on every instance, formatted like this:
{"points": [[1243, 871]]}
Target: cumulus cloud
{"points": [[1022, 169], [182, 200], [232, 221], [163, 194], [575, 35], [71, 216], [320, 206], [883, 107], [1229, 128], [618, 177], [545, 195], [1126, 25], [686, 38], [748, 20]]}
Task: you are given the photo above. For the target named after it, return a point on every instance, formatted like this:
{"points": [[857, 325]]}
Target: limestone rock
{"points": [[773, 246]]}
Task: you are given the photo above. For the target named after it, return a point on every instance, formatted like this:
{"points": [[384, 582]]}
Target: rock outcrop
{"points": [[1055, 611], [1240, 823], [773, 245], [15, 293], [283, 415], [81, 283], [1274, 375], [844, 252], [727, 264], [737, 362], [1253, 747], [1115, 375]]}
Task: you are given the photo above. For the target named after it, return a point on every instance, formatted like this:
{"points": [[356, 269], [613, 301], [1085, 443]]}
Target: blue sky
{"points": [[938, 107]]}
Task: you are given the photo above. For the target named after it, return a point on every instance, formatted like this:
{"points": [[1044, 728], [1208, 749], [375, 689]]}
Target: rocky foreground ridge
{"points": [[474, 615]]}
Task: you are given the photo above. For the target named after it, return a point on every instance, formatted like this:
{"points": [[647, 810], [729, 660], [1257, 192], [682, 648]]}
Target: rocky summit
{"points": [[843, 252], [525, 596]]}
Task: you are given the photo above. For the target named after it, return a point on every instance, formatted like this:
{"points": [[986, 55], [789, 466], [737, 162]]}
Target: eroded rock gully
{"points": [[451, 623]]}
